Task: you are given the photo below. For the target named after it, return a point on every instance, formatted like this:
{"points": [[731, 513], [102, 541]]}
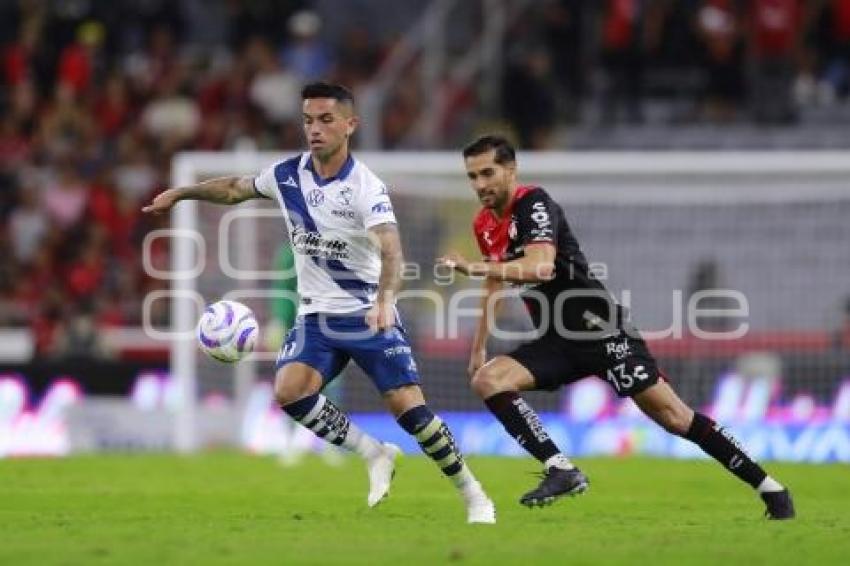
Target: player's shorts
{"points": [[623, 360], [328, 342]]}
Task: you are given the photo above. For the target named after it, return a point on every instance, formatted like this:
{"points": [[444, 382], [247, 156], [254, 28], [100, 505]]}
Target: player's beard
{"points": [[501, 199], [323, 154]]}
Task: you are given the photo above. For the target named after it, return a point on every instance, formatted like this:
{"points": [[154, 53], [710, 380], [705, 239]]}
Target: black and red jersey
{"points": [[574, 296]]}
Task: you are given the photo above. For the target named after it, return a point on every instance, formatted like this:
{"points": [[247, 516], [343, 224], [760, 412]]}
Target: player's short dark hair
{"points": [[327, 90], [504, 151]]}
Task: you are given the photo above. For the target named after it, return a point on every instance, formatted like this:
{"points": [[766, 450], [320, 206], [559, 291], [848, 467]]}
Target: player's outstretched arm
{"points": [[536, 266], [490, 306], [382, 314], [222, 190]]}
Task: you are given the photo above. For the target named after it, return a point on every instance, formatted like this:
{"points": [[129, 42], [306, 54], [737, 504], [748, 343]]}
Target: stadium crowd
{"points": [[98, 96]]}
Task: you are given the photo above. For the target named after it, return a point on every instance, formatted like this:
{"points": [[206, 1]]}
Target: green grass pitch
{"points": [[229, 508]]}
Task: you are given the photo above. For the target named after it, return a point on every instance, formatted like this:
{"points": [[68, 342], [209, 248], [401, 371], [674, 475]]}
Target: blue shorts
{"points": [[328, 342]]}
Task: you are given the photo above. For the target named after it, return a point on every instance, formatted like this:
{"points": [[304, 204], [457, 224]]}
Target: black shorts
{"points": [[623, 360]]}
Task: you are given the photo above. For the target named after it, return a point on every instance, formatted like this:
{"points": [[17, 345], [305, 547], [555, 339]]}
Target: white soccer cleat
{"points": [[381, 471], [479, 507]]}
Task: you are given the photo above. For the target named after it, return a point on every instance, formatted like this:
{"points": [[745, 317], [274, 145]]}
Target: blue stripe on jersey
{"points": [[299, 215]]}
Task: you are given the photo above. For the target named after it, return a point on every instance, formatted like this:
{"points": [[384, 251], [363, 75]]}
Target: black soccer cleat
{"points": [[556, 483], [779, 505]]}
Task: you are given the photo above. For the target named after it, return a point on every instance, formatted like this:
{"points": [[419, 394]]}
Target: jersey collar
{"points": [[343, 172]]}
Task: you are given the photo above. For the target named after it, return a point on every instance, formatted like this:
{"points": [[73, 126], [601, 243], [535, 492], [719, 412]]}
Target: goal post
{"points": [[653, 216]]}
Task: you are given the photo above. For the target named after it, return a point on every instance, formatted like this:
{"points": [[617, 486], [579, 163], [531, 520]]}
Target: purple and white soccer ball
{"points": [[228, 331]]}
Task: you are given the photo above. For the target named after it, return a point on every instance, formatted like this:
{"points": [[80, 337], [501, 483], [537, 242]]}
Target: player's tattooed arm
{"points": [[536, 266], [382, 314], [222, 190]]}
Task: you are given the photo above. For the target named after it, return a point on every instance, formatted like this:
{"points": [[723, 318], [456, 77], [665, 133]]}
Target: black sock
{"points": [[435, 439], [522, 423], [719, 443]]}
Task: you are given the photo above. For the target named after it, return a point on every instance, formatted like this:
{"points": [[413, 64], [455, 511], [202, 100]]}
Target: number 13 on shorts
{"points": [[622, 380]]}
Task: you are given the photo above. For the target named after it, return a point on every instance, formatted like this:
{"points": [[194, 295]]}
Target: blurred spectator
{"points": [[24, 60], [65, 197], [172, 116], [563, 29], [358, 58], [135, 176], [27, 225], [720, 32], [305, 53], [775, 28], [273, 89], [621, 40], [832, 30], [84, 275], [65, 123], [529, 98], [79, 60], [113, 108]]}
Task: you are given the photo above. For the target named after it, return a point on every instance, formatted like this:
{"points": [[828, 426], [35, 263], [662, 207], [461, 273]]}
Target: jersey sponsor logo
{"points": [[289, 182], [382, 207], [344, 196], [315, 197], [540, 216], [383, 191], [397, 351], [313, 244], [618, 351], [347, 214]]}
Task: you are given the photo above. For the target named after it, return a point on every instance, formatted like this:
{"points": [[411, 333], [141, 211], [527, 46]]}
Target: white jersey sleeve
{"points": [[375, 205], [265, 183]]}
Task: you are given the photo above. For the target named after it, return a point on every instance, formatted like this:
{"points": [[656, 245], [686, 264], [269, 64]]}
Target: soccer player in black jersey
{"points": [[525, 239]]}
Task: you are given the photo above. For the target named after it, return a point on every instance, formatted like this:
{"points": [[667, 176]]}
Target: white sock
{"points": [[768, 485], [559, 461], [361, 443], [469, 487], [464, 480]]}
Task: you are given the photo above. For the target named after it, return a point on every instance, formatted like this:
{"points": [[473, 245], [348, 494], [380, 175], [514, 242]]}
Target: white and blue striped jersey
{"points": [[328, 221]]}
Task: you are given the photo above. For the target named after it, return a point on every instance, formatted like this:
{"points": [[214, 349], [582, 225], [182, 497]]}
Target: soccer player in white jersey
{"points": [[348, 260]]}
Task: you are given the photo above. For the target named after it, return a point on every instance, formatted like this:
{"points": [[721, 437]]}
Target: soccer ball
{"points": [[227, 331]]}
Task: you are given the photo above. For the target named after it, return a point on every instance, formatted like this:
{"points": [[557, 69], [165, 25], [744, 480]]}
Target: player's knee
{"points": [[482, 382], [288, 391], [673, 419], [489, 380]]}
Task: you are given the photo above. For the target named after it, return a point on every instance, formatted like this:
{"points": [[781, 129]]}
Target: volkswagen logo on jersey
{"points": [[315, 197]]}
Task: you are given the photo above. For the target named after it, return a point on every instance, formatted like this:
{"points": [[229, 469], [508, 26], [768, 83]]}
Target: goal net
{"points": [[735, 265]]}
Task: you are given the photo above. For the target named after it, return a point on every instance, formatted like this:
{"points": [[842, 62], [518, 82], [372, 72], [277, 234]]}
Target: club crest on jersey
{"points": [[344, 197], [315, 197]]}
